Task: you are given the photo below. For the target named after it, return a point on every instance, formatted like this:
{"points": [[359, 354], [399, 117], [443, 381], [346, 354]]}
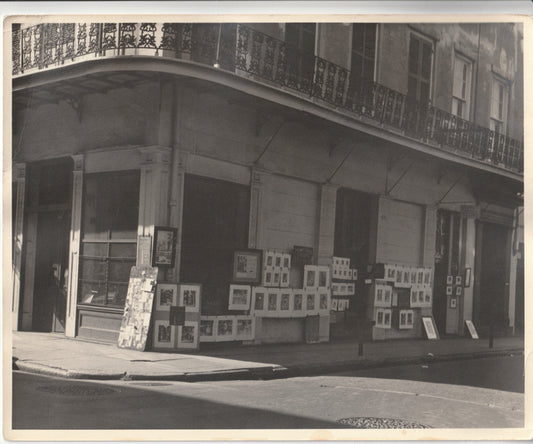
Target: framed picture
{"points": [[188, 335], [164, 247], [449, 280], [268, 259], [471, 329], [310, 302], [224, 328], [324, 301], [285, 303], [449, 290], [458, 291], [429, 326], [259, 300], [164, 334], [272, 302], [284, 278], [310, 277], [268, 276], [190, 297], [278, 259], [298, 303], [468, 277], [207, 329], [165, 296], [244, 328], [453, 302], [323, 277], [406, 319], [458, 280], [247, 266], [239, 297], [286, 261]]}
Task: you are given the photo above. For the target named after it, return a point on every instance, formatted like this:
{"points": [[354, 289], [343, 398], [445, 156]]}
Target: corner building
{"points": [[383, 143]]}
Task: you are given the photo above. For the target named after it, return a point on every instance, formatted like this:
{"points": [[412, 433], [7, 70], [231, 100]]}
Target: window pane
{"points": [[370, 40], [413, 55], [91, 293], [90, 249], [123, 250], [426, 60], [358, 37], [92, 269], [119, 271]]}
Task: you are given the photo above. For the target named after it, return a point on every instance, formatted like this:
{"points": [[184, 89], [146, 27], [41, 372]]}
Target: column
{"points": [[179, 167], [469, 262], [326, 226], [19, 177], [75, 242], [256, 191]]}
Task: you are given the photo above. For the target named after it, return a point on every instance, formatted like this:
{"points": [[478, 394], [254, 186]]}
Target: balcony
{"points": [[248, 53]]}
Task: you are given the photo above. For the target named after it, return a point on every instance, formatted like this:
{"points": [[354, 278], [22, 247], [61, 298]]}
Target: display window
{"points": [[109, 237]]}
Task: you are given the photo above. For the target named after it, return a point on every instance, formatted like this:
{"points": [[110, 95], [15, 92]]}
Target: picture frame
{"points": [[453, 302], [449, 280], [323, 277], [468, 277], [297, 303], [165, 296], [247, 266], [458, 291], [244, 328], [285, 303], [324, 302], [310, 303], [310, 277], [164, 248], [207, 331], [190, 297], [458, 280], [188, 335], [258, 304], [239, 297], [405, 319], [272, 302], [449, 290], [471, 329], [430, 327], [225, 328], [164, 334]]}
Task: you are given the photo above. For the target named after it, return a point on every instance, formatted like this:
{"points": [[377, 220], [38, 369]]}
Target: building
{"points": [[383, 143]]}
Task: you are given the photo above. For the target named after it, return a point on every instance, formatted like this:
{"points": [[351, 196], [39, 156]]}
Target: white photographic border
{"points": [[194, 344], [255, 292], [162, 287], [212, 336], [225, 337], [244, 337], [164, 344], [246, 305], [290, 294], [190, 287]]}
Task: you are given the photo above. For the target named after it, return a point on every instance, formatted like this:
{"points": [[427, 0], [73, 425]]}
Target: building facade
{"points": [[382, 143]]}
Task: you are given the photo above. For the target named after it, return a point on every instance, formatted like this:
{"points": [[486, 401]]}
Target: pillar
{"points": [[256, 191], [75, 242], [326, 224], [19, 177]]}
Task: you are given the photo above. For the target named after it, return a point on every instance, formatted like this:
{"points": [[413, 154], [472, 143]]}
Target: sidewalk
{"points": [[57, 355]]}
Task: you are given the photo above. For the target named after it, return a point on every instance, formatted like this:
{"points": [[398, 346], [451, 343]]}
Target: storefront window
{"points": [[109, 239]]}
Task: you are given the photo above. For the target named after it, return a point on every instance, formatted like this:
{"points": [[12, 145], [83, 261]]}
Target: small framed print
{"points": [[458, 280], [427, 276], [458, 291], [420, 279], [350, 288], [278, 259], [449, 290], [247, 266], [272, 301], [298, 303], [259, 300], [390, 273], [310, 302], [276, 281], [323, 277], [268, 260], [224, 328], [427, 296], [164, 336], [239, 297], [414, 274], [406, 276], [244, 328], [449, 280], [165, 296], [286, 261], [310, 277], [334, 304], [421, 295], [429, 327], [354, 274], [268, 277], [188, 335], [285, 303], [468, 277], [399, 275], [471, 329], [284, 278], [453, 302], [414, 296], [190, 297], [323, 302], [406, 319], [164, 247], [207, 329]]}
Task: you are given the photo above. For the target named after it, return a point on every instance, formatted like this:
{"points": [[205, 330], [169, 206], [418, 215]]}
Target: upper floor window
{"points": [[300, 55], [301, 36], [420, 66], [363, 50], [462, 85], [498, 106]]}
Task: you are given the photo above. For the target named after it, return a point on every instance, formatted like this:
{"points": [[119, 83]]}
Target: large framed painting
{"points": [[164, 252], [247, 266]]}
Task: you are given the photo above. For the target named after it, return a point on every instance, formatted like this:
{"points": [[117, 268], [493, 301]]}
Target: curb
{"points": [[256, 373]]}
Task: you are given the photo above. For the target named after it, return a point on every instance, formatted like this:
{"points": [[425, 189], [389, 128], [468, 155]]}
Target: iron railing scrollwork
{"points": [[247, 52]]}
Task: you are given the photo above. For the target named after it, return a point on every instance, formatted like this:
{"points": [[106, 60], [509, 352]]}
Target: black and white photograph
{"points": [[387, 148]]}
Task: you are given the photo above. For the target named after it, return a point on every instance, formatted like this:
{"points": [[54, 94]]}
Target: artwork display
{"points": [[245, 328], [429, 327], [340, 268], [298, 303], [382, 294], [458, 280], [239, 297], [247, 266], [224, 328], [323, 277], [310, 302], [207, 329], [421, 296], [449, 290], [310, 277], [188, 335], [285, 297], [259, 300], [276, 269], [449, 280], [406, 320], [272, 307], [164, 334], [324, 302], [458, 291], [453, 302], [383, 318], [190, 297], [166, 295], [164, 247]]}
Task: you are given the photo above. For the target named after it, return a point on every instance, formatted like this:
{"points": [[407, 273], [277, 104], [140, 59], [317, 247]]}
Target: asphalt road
{"points": [[297, 403]]}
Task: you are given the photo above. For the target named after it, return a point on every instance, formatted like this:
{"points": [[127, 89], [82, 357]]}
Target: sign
{"points": [[302, 255], [138, 308], [429, 326], [144, 250], [471, 329], [177, 315]]}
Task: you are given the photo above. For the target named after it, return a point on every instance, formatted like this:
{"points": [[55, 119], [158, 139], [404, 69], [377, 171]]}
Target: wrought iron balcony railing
{"points": [[247, 52]]}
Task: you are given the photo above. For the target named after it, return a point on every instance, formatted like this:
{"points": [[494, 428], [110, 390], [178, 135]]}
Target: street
{"points": [[398, 396]]}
